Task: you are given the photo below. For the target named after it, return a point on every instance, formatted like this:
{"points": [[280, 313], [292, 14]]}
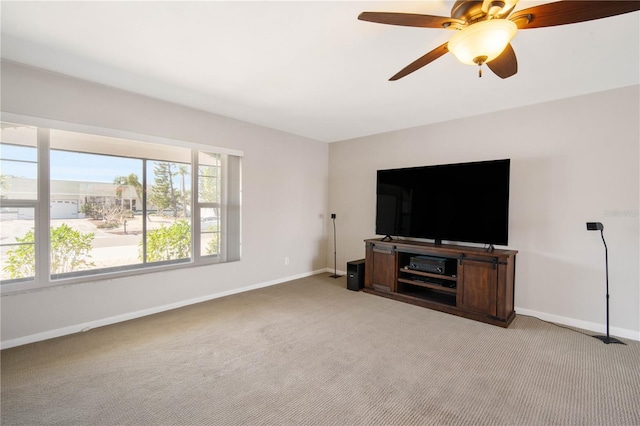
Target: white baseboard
{"points": [[337, 271], [585, 325], [76, 328]]}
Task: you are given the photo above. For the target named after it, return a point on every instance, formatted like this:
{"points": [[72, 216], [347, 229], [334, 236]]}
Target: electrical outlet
{"points": [[286, 261], [333, 215]]}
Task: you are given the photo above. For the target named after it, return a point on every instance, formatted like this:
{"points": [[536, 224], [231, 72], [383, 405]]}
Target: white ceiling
{"points": [[309, 67]]}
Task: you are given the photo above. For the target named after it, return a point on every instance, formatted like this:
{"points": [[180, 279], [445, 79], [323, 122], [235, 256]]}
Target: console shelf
{"points": [[427, 274], [479, 285], [428, 285]]}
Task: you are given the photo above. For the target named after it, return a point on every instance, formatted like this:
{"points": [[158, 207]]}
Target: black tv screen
{"points": [[466, 202]]}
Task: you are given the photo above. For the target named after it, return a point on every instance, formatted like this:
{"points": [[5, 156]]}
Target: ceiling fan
{"points": [[485, 28]]}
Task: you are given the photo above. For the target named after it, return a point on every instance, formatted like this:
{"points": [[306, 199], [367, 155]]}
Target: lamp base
{"points": [[335, 276], [607, 340]]}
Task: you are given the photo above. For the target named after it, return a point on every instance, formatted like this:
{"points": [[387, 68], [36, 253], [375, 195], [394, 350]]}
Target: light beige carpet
{"points": [[311, 352]]}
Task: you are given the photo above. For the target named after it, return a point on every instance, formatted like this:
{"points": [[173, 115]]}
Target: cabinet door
{"points": [[380, 268], [478, 281]]}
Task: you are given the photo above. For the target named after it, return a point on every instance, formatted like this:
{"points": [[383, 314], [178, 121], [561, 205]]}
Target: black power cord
{"points": [[557, 325]]}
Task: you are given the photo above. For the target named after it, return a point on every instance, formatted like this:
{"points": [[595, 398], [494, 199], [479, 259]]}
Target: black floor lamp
{"points": [[597, 226], [335, 256]]}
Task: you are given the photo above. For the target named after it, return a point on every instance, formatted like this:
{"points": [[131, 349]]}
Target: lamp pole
{"points": [[335, 251], [597, 226]]}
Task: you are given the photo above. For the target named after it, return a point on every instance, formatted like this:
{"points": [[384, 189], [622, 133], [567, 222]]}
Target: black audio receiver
{"points": [[433, 265]]}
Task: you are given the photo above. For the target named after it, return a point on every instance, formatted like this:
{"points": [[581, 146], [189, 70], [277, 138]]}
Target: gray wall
{"points": [[285, 196], [572, 161]]}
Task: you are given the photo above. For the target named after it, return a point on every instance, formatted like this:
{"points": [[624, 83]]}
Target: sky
{"points": [[71, 165], [91, 167]]}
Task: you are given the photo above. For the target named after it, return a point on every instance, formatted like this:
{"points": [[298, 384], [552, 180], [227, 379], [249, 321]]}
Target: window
{"points": [[93, 219], [18, 200], [218, 205], [168, 215], [209, 203], [106, 205]]}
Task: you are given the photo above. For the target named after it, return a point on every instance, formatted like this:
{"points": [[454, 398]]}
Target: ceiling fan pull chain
{"points": [[480, 60]]}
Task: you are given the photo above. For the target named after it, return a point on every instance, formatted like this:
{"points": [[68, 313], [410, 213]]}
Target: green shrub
{"points": [[70, 251], [168, 243], [21, 260]]}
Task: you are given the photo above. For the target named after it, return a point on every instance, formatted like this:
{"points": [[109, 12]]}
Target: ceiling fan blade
{"points": [[409, 19], [421, 62], [570, 12], [505, 65]]}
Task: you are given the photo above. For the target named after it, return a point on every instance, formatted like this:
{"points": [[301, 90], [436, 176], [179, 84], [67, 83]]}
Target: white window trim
{"points": [[112, 133], [42, 279]]}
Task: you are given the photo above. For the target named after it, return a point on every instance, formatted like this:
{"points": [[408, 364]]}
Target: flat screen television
{"points": [[465, 202]]}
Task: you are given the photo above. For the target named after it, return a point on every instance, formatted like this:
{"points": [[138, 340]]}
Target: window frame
{"points": [[199, 205], [42, 277]]}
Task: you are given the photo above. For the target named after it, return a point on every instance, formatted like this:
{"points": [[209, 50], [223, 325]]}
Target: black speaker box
{"points": [[355, 275]]}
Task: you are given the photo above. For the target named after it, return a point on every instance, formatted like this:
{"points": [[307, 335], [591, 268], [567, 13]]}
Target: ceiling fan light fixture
{"points": [[483, 39]]}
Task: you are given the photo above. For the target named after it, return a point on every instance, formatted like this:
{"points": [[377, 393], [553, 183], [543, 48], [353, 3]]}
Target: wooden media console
{"points": [[477, 284]]}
